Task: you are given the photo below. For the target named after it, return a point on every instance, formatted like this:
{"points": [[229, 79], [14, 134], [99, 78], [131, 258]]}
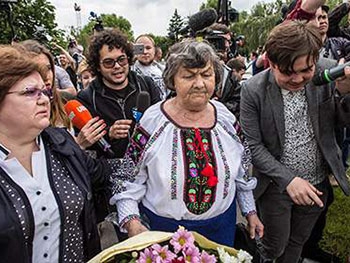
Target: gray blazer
{"points": [[262, 122]]}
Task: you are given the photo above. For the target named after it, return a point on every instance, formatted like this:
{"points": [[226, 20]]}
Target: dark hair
{"points": [[291, 40], [58, 113], [236, 64], [190, 54], [113, 38], [15, 65]]}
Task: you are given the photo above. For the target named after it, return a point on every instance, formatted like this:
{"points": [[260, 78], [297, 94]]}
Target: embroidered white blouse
{"points": [[160, 179]]}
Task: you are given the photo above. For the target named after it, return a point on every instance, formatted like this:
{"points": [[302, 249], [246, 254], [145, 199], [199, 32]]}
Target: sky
{"points": [[145, 16]]}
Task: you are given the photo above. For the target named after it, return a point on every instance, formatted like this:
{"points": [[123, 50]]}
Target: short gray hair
{"points": [[190, 54]]}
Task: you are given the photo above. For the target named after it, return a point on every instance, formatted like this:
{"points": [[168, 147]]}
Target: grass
{"points": [[336, 236]]}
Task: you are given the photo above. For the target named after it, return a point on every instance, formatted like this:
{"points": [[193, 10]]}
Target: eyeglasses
{"points": [[34, 93], [110, 62]]}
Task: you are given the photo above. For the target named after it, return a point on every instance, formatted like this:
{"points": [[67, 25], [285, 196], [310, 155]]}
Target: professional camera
{"points": [[216, 39], [98, 27], [41, 35]]}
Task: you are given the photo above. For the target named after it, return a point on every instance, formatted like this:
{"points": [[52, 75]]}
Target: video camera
{"points": [[41, 35], [98, 21]]}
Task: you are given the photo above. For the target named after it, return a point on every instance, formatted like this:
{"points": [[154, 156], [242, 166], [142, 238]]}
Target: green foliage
{"points": [[176, 23], [26, 14], [209, 4], [108, 21], [256, 25], [163, 42], [336, 237]]}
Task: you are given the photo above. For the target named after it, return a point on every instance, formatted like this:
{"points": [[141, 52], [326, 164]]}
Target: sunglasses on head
{"points": [[110, 62]]}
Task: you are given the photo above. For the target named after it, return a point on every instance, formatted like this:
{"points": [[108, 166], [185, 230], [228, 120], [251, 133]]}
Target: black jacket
{"points": [[109, 109], [87, 173]]}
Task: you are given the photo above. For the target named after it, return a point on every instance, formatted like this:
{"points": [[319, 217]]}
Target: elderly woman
{"points": [[191, 163], [46, 181]]}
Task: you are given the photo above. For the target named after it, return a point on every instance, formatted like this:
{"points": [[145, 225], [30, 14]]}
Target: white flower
{"points": [[225, 257], [244, 256]]}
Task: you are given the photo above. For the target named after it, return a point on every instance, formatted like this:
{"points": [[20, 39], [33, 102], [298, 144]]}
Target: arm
{"points": [[305, 10], [130, 187], [66, 53], [63, 82], [311, 6], [334, 18], [262, 159]]}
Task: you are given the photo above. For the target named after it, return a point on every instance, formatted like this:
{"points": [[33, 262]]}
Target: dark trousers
{"points": [[312, 244], [287, 225]]}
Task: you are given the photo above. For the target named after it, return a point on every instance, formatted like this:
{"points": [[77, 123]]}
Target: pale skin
{"points": [[190, 108], [18, 113]]}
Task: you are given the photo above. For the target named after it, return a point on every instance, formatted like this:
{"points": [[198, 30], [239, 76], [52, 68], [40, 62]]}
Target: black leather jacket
{"points": [[87, 173], [95, 99]]}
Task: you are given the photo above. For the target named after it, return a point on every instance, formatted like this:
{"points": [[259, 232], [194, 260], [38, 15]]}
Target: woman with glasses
{"points": [[46, 180], [92, 130]]}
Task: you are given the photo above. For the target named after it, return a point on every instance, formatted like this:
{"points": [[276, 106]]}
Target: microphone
{"points": [[200, 20], [143, 101], [79, 116], [329, 75]]}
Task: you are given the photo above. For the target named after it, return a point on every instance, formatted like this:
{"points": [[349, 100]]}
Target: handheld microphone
{"points": [[329, 75], [79, 116], [143, 101], [200, 20]]}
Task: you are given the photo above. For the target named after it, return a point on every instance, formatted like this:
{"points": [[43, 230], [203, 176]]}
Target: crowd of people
{"points": [[182, 141]]}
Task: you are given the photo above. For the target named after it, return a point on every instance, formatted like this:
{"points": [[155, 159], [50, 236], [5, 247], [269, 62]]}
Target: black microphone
{"points": [[143, 101], [329, 75], [200, 20]]}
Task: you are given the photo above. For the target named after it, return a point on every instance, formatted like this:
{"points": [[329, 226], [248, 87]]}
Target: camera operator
{"points": [[219, 36]]}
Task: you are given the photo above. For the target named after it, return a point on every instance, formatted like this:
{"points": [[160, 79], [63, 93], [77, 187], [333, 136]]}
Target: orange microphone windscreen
{"points": [[77, 113]]}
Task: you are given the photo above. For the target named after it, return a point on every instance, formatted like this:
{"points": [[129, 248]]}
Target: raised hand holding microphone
{"points": [[339, 73], [91, 130], [120, 129]]}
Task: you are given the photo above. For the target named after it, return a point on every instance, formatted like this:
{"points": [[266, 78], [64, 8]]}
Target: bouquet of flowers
{"points": [[162, 247]]}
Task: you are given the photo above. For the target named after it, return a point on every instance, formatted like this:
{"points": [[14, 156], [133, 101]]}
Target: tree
{"points": [[28, 17], [108, 21], [176, 23]]}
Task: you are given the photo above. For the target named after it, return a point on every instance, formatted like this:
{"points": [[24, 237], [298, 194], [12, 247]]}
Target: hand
{"points": [[92, 131], [343, 84], [303, 193], [120, 129], [255, 226], [134, 227]]}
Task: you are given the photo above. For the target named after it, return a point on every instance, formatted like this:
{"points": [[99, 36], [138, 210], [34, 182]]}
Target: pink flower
{"points": [[181, 239], [191, 254], [162, 254], [146, 256], [206, 258]]}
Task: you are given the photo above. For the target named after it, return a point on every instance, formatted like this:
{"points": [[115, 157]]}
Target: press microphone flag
{"points": [[143, 101], [329, 75], [79, 116], [77, 113]]}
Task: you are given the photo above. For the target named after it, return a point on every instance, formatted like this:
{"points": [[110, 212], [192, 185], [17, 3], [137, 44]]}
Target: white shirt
{"points": [[159, 180], [41, 198]]}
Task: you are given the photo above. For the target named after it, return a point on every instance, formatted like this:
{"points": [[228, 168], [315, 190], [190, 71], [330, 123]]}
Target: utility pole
{"points": [[77, 10]]}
